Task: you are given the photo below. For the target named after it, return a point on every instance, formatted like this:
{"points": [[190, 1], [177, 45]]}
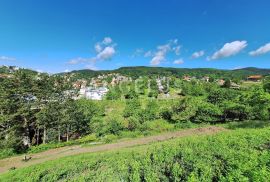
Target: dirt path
{"points": [[6, 164]]}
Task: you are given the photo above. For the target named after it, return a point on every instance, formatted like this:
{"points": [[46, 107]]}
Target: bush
{"points": [[207, 112], [217, 96], [114, 126], [157, 126], [87, 139], [185, 109], [132, 108], [232, 111], [185, 125], [153, 93], [166, 114], [130, 134], [7, 153], [133, 123], [109, 138]]}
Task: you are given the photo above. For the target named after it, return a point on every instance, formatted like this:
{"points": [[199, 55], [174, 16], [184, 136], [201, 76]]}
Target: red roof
{"points": [[255, 77]]}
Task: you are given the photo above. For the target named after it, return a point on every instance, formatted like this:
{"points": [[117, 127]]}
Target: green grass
{"points": [[237, 155], [4, 153], [246, 124]]}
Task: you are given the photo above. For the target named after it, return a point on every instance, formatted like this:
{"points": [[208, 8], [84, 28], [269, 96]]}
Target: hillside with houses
{"points": [[96, 84], [41, 111]]}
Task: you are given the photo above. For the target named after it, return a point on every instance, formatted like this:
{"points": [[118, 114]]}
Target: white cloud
{"points": [[98, 47], [107, 40], [197, 54], [177, 50], [178, 61], [105, 50], [66, 70], [262, 50], [137, 53], [229, 49], [157, 59], [160, 54], [79, 60], [148, 54], [5, 58], [106, 53]]}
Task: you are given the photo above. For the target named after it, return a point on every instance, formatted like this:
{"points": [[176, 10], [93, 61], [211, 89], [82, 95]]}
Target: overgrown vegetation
{"points": [[239, 155]]}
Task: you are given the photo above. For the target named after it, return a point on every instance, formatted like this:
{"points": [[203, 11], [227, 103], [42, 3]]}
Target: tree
{"points": [[132, 108], [150, 112], [227, 83], [266, 84], [218, 95], [206, 112], [192, 89], [114, 93], [185, 109], [259, 101], [233, 111], [131, 95]]}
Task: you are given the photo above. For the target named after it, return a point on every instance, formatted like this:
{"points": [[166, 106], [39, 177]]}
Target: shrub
{"points": [[7, 153], [114, 126], [132, 108], [159, 125], [109, 138], [207, 112], [133, 123], [232, 111], [87, 139]]}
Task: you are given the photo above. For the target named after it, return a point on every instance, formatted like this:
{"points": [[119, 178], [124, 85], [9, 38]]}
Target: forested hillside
{"points": [[136, 72]]}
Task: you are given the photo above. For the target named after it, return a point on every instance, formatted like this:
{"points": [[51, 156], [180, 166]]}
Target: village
{"points": [[99, 86]]}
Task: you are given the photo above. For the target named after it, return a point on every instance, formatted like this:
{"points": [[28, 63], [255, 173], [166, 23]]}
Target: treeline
{"points": [[136, 72], [31, 105]]}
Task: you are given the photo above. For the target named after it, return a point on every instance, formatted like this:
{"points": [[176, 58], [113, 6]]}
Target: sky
{"points": [[64, 35]]}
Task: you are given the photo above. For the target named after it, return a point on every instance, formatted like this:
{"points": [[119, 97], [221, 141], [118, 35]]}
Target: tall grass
{"points": [[238, 155]]}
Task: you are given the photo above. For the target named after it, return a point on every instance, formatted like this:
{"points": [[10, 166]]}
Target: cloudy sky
{"points": [[63, 35]]}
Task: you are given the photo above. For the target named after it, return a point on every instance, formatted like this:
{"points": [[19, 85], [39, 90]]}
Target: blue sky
{"points": [[55, 36]]}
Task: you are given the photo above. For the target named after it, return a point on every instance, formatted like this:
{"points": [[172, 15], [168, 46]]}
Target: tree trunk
{"points": [[44, 135], [27, 136], [59, 134], [38, 136], [67, 133]]}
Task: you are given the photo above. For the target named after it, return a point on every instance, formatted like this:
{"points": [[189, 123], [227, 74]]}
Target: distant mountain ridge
{"points": [[138, 71]]}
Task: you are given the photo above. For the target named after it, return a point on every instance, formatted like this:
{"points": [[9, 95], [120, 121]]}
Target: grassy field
{"points": [[236, 155]]}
